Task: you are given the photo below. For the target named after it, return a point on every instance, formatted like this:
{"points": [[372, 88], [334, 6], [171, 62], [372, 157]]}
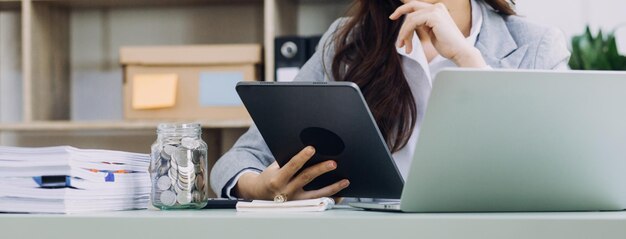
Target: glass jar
{"points": [[178, 168]]}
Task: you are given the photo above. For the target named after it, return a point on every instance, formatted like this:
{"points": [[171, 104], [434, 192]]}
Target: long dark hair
{"points": [[365, 54]]}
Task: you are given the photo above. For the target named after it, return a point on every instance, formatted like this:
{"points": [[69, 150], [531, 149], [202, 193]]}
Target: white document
{"points": [[88, 180], [311, 205]]}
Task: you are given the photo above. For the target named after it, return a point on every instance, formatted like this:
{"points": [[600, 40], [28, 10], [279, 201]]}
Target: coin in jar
{"points": [[197, 196], [197, 168], [164, 183], [164, 156], [192, 176], [200, 182], [183, 185], [183, 198], [172, 141], [196, 156], [163, 168], [190, 143], [186, 172], [188, 169], [173, 164], [169, 149], [203, 163], [168, 198], [173, 174], [185, 180], [182, 157], [177, 188]]}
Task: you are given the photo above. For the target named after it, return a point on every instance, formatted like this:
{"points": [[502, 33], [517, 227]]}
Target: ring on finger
{"points": [[280, 198]]}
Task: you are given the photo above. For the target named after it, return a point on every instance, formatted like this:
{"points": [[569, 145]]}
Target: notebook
{"points": [[311, 205]]}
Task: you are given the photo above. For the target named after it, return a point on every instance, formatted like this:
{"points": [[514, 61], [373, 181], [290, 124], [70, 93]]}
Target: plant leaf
{"points": [[575, 62], [597, 52], [612, 53]]}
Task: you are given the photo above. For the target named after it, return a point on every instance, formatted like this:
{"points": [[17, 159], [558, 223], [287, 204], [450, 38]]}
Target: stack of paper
{"points": [[70, 180], [311, 205]]}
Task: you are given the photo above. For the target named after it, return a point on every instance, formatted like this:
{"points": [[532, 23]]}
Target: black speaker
{"points": [[290, 51], [290, 55]]}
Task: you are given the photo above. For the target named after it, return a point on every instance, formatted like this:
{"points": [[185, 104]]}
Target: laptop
{"points": [[511, 141]]}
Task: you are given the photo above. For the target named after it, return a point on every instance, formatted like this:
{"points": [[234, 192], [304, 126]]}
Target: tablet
{"points": [[334, 118]]}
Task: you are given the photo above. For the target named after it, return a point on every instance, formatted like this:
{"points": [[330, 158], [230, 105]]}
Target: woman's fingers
{"points": [[285, 182], [309, 174], [409, 7], [324, 192], [292, 167], [417, 14], [411, 23]]}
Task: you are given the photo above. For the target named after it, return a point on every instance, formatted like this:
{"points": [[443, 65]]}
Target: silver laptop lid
{"points": [[521, 141]]}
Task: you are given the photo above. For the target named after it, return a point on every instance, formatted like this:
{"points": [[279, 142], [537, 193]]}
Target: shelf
{"points": [[60, 126], [73, 44], [70, 47]]}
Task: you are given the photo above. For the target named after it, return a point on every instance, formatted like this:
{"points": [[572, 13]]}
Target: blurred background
{"points": [[572, 16], [66, 66]]}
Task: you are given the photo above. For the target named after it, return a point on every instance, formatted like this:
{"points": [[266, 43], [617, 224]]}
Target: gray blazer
{"points": [[505, 42]]}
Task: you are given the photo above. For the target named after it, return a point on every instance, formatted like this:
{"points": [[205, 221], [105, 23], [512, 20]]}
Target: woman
{"points": [[392, 49]]}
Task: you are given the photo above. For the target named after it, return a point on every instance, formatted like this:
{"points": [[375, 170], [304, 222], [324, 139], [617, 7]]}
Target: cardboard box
{"points": [[203, 77]]}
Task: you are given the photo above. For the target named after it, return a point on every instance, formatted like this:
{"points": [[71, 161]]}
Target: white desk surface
{"points": [[337, 223]]}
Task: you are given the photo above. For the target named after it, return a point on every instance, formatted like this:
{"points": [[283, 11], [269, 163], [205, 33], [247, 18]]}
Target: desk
{"points": [[337, 223]]}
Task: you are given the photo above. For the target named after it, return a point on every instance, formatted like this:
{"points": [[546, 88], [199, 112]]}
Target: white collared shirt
{"points": [[428, 71]]}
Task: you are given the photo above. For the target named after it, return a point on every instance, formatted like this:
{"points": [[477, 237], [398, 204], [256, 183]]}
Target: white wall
{"points": [[572, 16]]}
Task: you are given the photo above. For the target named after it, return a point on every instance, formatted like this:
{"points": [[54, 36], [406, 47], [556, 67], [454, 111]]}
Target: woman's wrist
{"points": [[470, 58], [243, 186]]}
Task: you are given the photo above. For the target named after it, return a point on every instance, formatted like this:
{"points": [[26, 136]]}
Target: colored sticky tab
{"points": [[154, 91], [110, 177], [218, 88]]}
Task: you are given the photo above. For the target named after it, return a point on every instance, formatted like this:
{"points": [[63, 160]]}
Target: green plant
{"points": [[596, 53]]}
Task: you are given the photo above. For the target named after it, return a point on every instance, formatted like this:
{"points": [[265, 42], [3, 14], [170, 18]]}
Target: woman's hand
{"points": [[275, 180], [434, 20]]}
